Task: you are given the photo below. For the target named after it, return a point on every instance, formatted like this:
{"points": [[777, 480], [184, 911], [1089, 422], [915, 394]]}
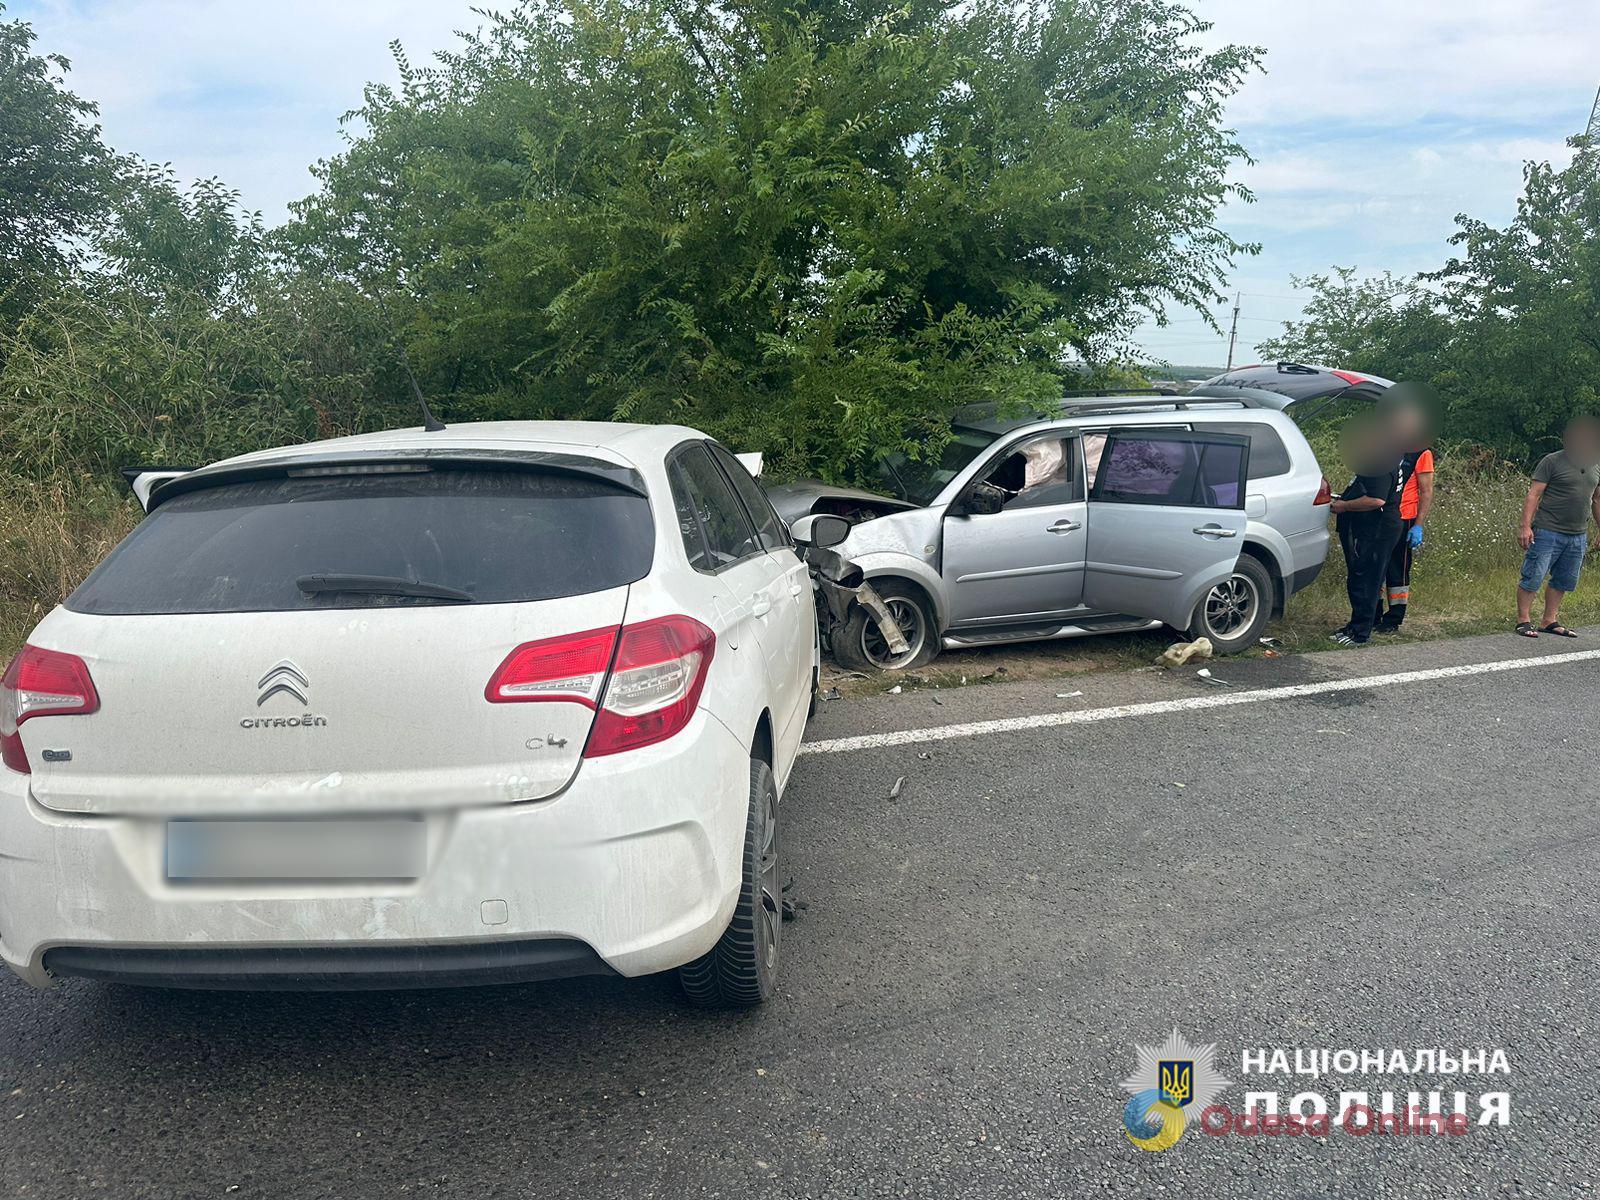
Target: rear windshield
{"points": [[498, 536]]}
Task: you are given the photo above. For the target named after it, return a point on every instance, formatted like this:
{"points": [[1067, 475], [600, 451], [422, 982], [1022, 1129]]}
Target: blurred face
{"points": [[1582, 441], [1412, 417], [1407, 429], [1368, 444]]}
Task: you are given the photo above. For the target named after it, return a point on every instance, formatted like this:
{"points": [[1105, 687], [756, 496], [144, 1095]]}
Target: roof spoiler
{"points": [[144, 479]]}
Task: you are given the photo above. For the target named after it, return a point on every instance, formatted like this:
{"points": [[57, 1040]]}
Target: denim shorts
{"points": [[1558, 555]]}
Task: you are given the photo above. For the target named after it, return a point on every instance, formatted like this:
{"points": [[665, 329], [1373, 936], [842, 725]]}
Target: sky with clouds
{"points": [[1374, 123]]}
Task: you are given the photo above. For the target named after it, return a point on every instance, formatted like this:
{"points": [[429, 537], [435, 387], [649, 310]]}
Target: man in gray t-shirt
{"points": [[1555, 525]]}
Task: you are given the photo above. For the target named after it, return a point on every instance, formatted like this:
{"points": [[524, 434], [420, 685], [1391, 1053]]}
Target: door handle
{"points": [[1215, 531], [1063, 526], [760, 604]]}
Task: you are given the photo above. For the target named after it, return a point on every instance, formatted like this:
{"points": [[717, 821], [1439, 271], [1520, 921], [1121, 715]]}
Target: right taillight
{"points": [[40, 683], [655, 684], [1324, 493]]}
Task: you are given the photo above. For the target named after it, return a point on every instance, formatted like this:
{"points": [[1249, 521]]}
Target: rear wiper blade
{"points": [[379, 585]]}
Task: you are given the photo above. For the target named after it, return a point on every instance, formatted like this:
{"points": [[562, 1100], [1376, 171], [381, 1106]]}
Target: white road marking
{"points": [[1085, 716]]}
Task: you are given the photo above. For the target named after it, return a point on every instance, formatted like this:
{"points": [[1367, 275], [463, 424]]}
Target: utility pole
{"points": [[1593, 132], [1233, 330]]}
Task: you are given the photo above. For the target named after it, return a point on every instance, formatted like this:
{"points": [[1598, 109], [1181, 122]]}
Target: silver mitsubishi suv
{"points": [[1111, 512]]}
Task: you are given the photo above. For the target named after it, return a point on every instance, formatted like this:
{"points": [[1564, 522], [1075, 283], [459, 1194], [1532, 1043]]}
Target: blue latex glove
{"points": [[1415, 536]]}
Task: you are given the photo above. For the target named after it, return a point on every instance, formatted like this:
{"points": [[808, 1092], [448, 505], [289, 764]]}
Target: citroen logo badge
{"points": [[286, 678]]}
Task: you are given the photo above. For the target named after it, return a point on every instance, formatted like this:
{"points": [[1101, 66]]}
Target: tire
{"points": [[741, 969], [1235, 612], [858, 645]]}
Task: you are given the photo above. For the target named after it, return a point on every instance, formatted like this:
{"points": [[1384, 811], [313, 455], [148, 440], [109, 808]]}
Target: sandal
{"points": [[1557, 629], [1526, 629]]}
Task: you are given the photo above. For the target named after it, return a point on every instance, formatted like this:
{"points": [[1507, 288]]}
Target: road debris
{"points": [[896, 690], [1067, 695], [1179, 653], [1205, 674], [937, 701], [894, 792], [831, 694]]}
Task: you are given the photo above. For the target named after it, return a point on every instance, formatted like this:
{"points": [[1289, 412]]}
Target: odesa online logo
{"points": [[1170, 1079]]}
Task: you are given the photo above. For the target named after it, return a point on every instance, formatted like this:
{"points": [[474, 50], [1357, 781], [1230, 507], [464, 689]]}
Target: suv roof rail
{"points": [[1096, 392], [1166, 398]]}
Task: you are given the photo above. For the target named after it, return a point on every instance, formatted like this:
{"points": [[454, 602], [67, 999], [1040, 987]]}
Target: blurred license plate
{"points": [[386, 848]]}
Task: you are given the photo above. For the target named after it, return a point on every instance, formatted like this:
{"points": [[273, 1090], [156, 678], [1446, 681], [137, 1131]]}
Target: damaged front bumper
{"points": [[841, 586]]}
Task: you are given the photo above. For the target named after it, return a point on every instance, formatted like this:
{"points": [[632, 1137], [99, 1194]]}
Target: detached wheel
{"points": [[739, 971], [1235, 612], [861, 646]]}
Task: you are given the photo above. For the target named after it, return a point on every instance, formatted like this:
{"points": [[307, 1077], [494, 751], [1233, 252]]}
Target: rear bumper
{"points": [[635, 868], [1308, 552], [343, 968], [1304, 578]]}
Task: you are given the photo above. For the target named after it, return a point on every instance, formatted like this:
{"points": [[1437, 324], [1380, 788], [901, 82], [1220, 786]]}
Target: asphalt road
{"points": [[1411, 866]]}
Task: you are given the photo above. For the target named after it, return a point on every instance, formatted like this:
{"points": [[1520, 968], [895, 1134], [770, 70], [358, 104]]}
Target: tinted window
{"points": [[1174, 468], [500, 536], [1147, 470], [1220, 471], [1268, 455], [1040, 472], [728, 535], [694, 541], [1094, 444], [768, 525]]}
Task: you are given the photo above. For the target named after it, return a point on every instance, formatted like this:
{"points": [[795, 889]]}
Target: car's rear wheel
{"points": [[861, 646], [740, 970], [1234, 614]]}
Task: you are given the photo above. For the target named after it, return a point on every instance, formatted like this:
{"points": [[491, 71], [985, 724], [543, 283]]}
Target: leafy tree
{"points": [[813, 229], [1524, 302], [1507, 332], [186, 345], [53, 171]]}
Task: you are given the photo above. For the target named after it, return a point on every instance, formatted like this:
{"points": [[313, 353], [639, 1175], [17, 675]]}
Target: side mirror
{"points": [[984, 500], [822, 530]]}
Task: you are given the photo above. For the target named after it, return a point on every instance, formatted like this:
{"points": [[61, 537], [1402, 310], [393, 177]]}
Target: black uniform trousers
{"points": [[1367, 547]]}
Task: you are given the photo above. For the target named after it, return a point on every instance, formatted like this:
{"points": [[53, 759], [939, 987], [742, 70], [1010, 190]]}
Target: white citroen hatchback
{"points": [[497, 702]]}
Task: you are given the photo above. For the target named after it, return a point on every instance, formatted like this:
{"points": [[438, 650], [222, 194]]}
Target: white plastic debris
{"points": [[1179, 653]]}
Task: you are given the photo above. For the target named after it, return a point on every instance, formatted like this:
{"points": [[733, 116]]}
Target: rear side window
{"points": [[499, 536], [698, 487], [768, 525], [1176, 468], [1268, 455]]}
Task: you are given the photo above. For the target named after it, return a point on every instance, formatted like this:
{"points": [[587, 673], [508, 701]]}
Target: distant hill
{"points": [[1179, 372]]}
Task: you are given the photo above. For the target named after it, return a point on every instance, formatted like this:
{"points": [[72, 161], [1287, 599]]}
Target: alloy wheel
{"points": [[907, 614], [1231, 606]]}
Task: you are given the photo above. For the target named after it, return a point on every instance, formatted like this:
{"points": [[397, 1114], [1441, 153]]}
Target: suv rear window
{"points": [[500, 536]]}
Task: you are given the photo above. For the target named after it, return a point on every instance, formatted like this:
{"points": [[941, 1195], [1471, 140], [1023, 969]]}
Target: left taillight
{"points": [[40, 683], [655, 684], [570, 667]]}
